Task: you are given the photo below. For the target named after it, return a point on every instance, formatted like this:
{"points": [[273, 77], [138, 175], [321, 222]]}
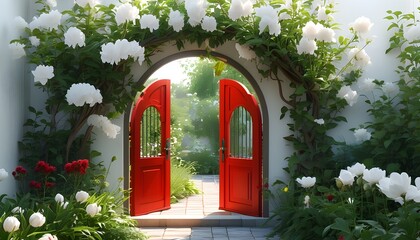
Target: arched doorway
{"points": [[242, 70]]}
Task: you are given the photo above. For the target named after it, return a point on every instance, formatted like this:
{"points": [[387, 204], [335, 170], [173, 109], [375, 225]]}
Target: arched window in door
{"points": [[150, 133], [241, 134]]}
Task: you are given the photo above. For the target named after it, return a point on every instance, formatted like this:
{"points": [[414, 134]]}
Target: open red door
{"points": [[150, 150], [240, 150]]}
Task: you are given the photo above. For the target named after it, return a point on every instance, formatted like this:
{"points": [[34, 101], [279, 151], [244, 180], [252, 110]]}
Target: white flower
{"points": [[126, 12], [34, 23], [74, 37], [373, 175], [11, 224], [36, 219], [51, 3], [48, 236], [82, 196], [362, 26], [43, 73], [359, 57], [348, 94], [17, 210], [269, 18], [306, 201], [240, 8], [196, 10], [362, 135], [306, 182], [149, 21], [209, 24], [326, 34], [390, 88], [34, 41], [83, 93], [111, 130], [417, 182], [64, 204], [412, 33], [245, 52], [3, 174], [83, 3], [306, 46], [176, 20], [346, 177], [121, 50], [412, 194], [20, 23], [319, 121], [322, 14], [17, 50], [366, 84], [93, 209], [357, 169], [59, 198], [395, 186], [310, 30], [49, 20]]}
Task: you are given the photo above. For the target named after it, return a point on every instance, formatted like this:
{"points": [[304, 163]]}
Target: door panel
{"points": [[240, 150], [149, 153]]}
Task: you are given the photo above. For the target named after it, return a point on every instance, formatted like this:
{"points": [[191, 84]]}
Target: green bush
{"points": [[181, 185], [205, 162]]}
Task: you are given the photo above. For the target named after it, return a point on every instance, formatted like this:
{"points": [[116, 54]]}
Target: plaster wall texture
{"points": [[13, 93], [382, 67]]}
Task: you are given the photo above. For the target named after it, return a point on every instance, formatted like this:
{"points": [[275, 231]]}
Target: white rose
{"points": [[346, 177], [357, 169]]}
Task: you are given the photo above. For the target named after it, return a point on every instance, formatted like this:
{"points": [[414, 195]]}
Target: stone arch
{"points": [[227, 53]]}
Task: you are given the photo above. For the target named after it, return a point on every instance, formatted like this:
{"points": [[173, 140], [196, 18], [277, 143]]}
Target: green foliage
{"points": [[181, 184], [205, 162], [69, 219]]}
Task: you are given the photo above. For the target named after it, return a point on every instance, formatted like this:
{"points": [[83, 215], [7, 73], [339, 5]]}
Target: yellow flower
{"points": [[285, 189]]}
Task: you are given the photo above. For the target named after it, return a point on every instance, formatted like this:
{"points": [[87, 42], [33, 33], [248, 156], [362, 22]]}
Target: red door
{"points": [[240, 145], [149, 150]]}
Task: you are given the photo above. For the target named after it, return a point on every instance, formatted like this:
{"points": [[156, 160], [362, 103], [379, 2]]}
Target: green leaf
{"points": [[219, 67], [283, 110]]}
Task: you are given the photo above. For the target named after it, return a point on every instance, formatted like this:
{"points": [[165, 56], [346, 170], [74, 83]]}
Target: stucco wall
{"points": [[13, 92]]}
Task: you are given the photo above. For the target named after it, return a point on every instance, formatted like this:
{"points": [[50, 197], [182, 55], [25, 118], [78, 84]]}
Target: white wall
{"points": [[13, 92]]}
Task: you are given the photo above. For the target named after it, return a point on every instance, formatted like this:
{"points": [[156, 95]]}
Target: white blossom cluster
{"points": [[113, 53], [196, 10], [359, 57], [240, 8], [74, 37], [43, 73], [348, 94], [176, 20], [312, 32], [269, 18], [362, 26], [84, 3], [149, 21], [362, 135], [80, 94], [48, 21], [17, 50], [412, 33], [126, 12], [111, 130]]}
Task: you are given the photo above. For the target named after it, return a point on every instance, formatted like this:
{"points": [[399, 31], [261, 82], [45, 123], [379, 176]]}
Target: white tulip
{"points": [[59, 198], [48, 236], [11, 224], [36, 219], [346, 177], [82, 196], [93, 209]]}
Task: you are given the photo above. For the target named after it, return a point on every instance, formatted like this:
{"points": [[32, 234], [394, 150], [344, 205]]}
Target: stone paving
{"points": [[198, 218]]}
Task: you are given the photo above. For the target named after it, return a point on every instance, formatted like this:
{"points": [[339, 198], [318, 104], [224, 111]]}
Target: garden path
{"points": [[198, 217]]}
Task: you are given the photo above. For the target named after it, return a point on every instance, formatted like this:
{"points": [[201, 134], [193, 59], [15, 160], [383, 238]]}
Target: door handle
{"points": [[222, 149], [168, 148]]}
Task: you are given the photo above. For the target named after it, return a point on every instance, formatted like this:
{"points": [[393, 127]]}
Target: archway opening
{"points": [[251, 82]]}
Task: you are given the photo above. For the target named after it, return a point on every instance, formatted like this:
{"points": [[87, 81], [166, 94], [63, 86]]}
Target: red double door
{"points": [[240, 150]]}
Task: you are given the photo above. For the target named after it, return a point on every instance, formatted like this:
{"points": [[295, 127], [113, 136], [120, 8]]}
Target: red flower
{"points": [[34, 184], [330, 197], [341, 237], [44, 167], [20, 170], [78, 166], [49, 184]]}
